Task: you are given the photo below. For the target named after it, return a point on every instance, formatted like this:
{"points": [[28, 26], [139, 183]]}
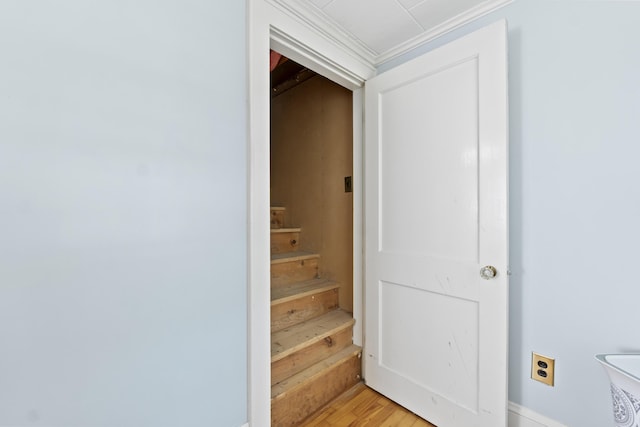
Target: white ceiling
{"points": [[379, 30]]}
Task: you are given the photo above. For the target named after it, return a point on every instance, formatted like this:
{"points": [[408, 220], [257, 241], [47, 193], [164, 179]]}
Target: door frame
{"points": [[269, 27]]}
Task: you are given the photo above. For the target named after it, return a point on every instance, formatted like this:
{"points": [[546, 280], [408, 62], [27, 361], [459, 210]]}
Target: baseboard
{"points": [[519, 416], [246, 425]]}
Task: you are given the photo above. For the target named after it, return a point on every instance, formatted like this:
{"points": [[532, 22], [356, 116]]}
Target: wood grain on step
{"points": [[277, 217], [302, 309], [288, 268], [300, 289], [285, 240], [311, 353], [301, 395], [292, 339]]}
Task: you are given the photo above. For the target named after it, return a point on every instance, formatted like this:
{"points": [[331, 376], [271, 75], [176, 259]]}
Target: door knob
{"points": [[488, 272]]}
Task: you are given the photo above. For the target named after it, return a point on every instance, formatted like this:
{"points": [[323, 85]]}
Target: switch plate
{"points": [[347, 184], [542, 368]]}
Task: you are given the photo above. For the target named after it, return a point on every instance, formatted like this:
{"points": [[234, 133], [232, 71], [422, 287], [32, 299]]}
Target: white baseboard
{"points": [[245, 425], [519, 416]]}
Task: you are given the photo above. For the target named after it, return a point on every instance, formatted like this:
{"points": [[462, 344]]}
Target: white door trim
{"points": [[270, 27], [304, 55], [358, 216]]}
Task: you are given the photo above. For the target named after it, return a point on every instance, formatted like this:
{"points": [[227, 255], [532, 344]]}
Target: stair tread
{"points": [[285, 230], [296, 381], [291, 339], [301, 289], [292, 256]]}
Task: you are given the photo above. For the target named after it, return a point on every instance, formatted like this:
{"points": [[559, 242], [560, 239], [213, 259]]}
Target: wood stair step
{"points": [[291, 267], [285, 230], [290, 340], [296, 290], [302, 301], [299, 396], [285, 240], [277, 216], [292, 256], [305, 344]]}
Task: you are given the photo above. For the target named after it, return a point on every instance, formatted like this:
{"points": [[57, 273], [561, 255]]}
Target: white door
{"points": [[435, 214]]}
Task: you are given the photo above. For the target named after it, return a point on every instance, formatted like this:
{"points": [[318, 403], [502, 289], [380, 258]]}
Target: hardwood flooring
{"points": [[361, 406]]}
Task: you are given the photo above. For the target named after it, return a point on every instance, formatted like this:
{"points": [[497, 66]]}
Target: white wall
{"points": [[123, 213], [575, 201]]}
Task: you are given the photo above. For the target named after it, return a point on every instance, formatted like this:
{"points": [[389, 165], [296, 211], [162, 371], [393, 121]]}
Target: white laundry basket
{"points": [[624, 374]]}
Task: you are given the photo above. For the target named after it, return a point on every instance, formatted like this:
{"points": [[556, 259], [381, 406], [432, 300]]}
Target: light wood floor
{"points": [[361, 406]]}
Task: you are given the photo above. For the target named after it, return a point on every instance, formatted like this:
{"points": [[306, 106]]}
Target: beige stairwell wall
{"points": [[311, 154]]}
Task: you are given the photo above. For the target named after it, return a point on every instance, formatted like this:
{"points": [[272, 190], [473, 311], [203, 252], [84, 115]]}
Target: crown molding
{"points": [[327, 28], [313, 18], [447, 26]]}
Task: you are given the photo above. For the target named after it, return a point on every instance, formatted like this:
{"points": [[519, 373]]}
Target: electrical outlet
{"points": [[542, 368]]}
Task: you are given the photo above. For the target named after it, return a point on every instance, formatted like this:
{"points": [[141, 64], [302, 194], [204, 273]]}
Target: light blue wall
{"points": [[123, 213], [575, 196]]}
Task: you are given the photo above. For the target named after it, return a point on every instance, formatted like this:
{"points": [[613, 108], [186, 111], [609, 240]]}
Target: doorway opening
{"points": [[313, 358]]}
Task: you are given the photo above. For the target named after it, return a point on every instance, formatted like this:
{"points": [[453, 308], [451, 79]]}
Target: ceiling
{"points": [[378, 30]]}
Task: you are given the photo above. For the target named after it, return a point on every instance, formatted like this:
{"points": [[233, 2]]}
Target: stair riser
{"points": [[284, 242], [296, 311], [314, 353], [287, 273], [277, 218], [290, 409]]}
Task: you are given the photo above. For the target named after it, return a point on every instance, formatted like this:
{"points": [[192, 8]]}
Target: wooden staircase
{"points": [[313, 359]]}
